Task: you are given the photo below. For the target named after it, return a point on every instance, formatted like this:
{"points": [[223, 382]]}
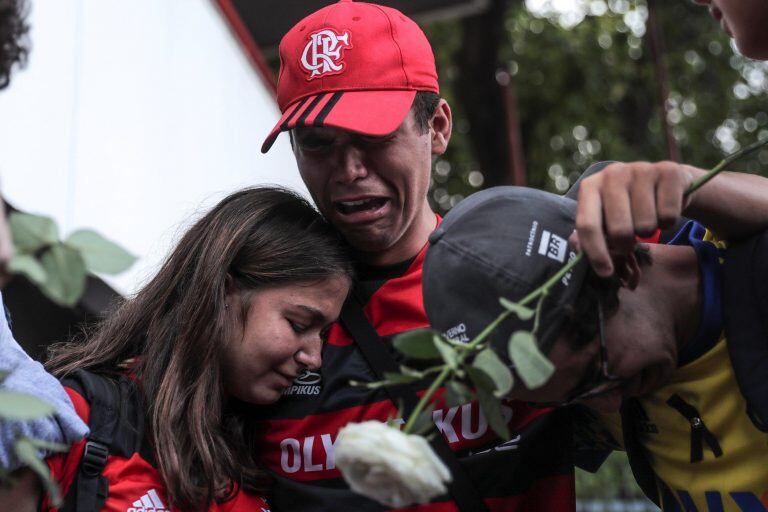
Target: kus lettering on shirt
{"points": [[461, 426]]}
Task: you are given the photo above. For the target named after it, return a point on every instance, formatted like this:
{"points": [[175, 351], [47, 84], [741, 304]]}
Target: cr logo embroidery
{"points": [[323, 53]]}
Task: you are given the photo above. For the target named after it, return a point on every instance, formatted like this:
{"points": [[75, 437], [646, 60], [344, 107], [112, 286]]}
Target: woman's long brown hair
{"points": [[175, 327]]}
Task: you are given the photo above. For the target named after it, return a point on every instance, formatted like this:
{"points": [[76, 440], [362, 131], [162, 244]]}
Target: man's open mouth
{"points": [[360, 205]]}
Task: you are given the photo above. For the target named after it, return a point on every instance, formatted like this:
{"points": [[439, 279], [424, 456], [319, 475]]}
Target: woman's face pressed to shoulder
{"points": [[283, 333]]}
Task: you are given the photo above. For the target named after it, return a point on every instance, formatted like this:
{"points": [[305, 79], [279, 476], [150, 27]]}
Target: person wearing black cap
{"points": [[674, 340]]}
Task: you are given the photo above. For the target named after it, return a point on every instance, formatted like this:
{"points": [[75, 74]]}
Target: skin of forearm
{"points": [[733, 205], [24, 491]]}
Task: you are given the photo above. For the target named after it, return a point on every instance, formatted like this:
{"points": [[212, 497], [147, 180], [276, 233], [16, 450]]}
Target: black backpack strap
{"points": [[631, 412], [746, 321], [461, 489], [116, 423], [89, 489]]}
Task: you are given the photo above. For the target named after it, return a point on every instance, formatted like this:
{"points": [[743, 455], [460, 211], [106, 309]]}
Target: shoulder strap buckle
{"points": [[94, 458]]}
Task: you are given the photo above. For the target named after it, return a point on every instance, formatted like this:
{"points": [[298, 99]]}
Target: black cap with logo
{"points": [[501, 242]]}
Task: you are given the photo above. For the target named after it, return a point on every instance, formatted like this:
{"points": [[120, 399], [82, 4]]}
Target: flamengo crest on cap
{"points": [[322, 54]]}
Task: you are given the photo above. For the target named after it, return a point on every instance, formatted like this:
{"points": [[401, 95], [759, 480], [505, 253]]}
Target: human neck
{"points": [[408, 245], [671, 287]]}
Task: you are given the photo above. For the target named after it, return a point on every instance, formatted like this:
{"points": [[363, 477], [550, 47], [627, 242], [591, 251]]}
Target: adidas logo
{"points": [[150, 502]]}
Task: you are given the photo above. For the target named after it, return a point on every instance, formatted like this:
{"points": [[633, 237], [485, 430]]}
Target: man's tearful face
{"points": [[640, 358], [373, 189]]}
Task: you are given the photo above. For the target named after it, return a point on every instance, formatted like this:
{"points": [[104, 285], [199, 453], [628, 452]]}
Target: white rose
{"points": [[393, 468]]}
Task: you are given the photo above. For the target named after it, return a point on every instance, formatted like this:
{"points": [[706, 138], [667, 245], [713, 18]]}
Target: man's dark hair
{"points": [[424, 106], [13, 40]]}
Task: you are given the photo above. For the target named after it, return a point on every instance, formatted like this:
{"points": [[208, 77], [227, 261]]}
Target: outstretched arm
{"points": [[734, 205], [626, 200]]}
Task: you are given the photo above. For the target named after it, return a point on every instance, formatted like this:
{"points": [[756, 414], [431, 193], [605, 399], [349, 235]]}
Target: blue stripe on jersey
{"points": [[710, 269]]}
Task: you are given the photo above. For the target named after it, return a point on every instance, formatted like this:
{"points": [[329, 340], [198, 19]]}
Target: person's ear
{"points": [[627, 268], [441, 126]]}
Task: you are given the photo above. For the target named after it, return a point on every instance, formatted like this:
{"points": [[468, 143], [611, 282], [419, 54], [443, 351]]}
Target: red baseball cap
{"points": [[352, 65]]}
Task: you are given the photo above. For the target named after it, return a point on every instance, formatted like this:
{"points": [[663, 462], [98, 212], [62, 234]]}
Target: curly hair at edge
{"points": [[13, 38]]}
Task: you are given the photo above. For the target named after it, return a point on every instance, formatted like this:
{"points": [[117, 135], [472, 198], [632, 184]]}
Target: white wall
{"points": [[133, 116]]}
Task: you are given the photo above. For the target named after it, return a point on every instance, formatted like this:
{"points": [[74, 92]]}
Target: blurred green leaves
{"points": [[522, 312], [418, 344], [489, 363], [98, 253], [59, 268], [587, 90], [21, 407], [64, 274], [29, 266], [32, 232], [532, 366], [18, 406], [489, 403]]}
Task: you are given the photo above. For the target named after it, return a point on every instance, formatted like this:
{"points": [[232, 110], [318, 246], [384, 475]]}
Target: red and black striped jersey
{"points": [[134, 483], [295, 441]]}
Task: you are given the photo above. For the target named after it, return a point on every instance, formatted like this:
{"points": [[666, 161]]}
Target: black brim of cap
{"points": [[573, 192], [501, 242]]}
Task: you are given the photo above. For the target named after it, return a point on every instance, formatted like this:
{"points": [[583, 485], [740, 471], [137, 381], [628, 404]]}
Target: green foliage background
{"points": [[590, 92]]}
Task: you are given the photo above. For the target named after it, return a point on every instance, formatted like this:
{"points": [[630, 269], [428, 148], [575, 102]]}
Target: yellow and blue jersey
{"points": [[705, 451]]}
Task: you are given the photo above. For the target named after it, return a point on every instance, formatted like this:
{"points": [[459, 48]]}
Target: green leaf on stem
{"points": [[488, 362], [447, 352], [456, 393], [49, 446], [27, 454], [100, 254], [418, 344], [424, 422], [32, 232], [399, 378], [20, 406], [522, 312], [489, 404], [27, 265], [65, 272], [411, 372], [532, 366], [480, 380]]}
